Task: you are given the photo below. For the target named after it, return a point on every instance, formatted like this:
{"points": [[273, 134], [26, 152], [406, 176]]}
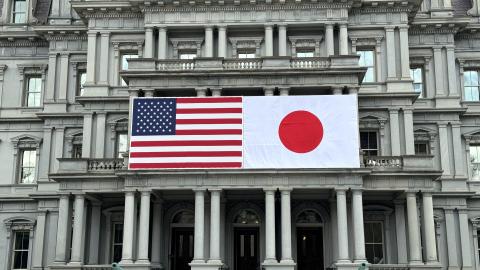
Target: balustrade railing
{"points": [[309, 63], [99, 165], [242, 64], [177, 64], [387, 162]]}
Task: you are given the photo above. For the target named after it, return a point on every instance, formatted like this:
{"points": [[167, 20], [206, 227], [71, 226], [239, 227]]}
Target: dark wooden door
{"points": [[246, 249], [182, 248], [309, 249]]}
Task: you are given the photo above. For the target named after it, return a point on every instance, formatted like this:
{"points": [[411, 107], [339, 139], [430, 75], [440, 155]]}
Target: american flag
{"points": [[186, 133]]}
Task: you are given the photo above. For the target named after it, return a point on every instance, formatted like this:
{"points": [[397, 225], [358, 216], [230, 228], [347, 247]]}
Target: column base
{"points": [[142, 261], [202, 265], [75, 264], [135, 266], [273, 264], [345, 265], [126, 262]]}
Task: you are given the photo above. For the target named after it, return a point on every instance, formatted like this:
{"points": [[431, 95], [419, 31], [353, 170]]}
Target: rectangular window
{"points": [[33, 91], [374, 242], [369, 143], [121, 144], [246, 54], [81, 79], [19, 11], [124, 64], [471, 85], [21, 244], [305, 53], [475, 161], [417, 76], [117, 242], [77, 151], [422, 148], [28, 164], [367, 59]]}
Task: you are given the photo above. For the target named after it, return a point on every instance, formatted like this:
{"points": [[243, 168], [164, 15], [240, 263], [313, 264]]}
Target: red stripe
{"points": [[209, 110], [209, 121], [209, 100], [187, 143], [209, 132], [187, 154], [183, 165]]}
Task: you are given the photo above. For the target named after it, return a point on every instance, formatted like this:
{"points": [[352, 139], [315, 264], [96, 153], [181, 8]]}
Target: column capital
{"points": [[148, 28], [284, 91], [442, 125], [393, 110], [426, 194], [199, 190], [216, 190], [357, 189], [285, 189], [389, 28], [268, 25], [92, 33], [64, 196], [222, 27], [269, 190], [462, 211], [209, 27], [403, 27], [341, 190], [105, 34], [145, 192], [411, 193]]}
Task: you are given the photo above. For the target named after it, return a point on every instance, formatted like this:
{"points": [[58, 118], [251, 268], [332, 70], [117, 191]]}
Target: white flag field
{"points": [[261, 132]]}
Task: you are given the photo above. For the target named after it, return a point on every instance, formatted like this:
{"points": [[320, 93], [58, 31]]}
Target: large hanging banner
{"points": [[245, 132]]}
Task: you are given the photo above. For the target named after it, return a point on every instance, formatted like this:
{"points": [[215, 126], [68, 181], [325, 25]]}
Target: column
{"points": [[94, 242], [343, 42], [91, 57], [100, 136], [201, 91], [337, 90], [451, 238], [78, 226], [444, 151], [391, 63], [378, 60], [439, 73], [215, 227], [282, 40], [199, 237], [404, 52], [400, 231], [284, 91], [334, 226], [394, 132], [452, 72], [342, 226], [465, 239], [286, 226], [144, 228], [268, 90], [157, 221], [270, 256], [358, 230], [162, 43], [408, 126], [63, 82], [413, 229], [208, 41], [268, 40], [329, 39], [222, 41], [429, 224], [148, 42], [38, 248], [52, 74], [104, 51], [216, 91], [87, 135], [128, 228], [458, 151], [62, 228]]}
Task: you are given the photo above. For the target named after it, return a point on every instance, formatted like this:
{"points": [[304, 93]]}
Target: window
{"points": [[77, 151], [478, 243], [81, 79], [121, 144], [124, 63], [422, 148], [471, 85], [33, 91], [417, 76], [19, 11], [246, 54], [305, 53], [369, 143], [117, 242], [187, 55], [20, 249], [28, 162], [374, 242], [367, 59], [475, 160]]}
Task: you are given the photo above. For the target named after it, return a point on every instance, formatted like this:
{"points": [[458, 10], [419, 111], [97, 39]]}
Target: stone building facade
{"points": [[69, 68]]}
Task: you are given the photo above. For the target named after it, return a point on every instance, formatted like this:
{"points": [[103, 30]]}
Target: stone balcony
{"points": [[399, 163], [85, 165], [289, 72]]}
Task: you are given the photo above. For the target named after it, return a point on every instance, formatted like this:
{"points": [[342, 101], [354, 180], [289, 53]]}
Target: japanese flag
{"points": [[301, 132]]}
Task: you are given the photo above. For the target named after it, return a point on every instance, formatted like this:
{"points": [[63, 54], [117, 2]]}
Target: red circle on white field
{"points": [[300, 131]]}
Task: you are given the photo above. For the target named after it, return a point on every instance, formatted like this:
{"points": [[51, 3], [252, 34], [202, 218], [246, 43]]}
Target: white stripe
{"points": [[208, 105], [186, 137], [209, 126], [185, 148], [209, 116], [185, 159]]}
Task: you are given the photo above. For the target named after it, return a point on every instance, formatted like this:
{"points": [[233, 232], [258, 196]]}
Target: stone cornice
{"points": [[32, 42], [233, 7]]}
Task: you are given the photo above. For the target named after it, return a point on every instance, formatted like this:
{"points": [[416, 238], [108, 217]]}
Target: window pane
{"points": [[188, 56], [124, 60], [19, 11], [246, 55], [28, 164], [82, 78], [121, 144], [20, 250], [367, 60], [475, 153], [305, 54], [369, 76]]}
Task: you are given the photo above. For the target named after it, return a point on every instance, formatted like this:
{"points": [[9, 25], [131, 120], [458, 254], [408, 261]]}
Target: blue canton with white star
{"points": [[154, 116]]}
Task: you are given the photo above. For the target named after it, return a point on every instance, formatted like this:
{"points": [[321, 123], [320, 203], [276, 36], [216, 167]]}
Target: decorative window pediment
{"points": [[186, 44], [424, 134], [19, 223], [118, 125], [26, 141], [371, 121], [31, 70], [476, 222], [246, 43], [376, 212], [472, 137], [306, 43]]}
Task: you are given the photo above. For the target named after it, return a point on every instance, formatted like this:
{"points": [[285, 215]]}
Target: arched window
{"points": [[184, 217], [309, 216], [246, 216]]}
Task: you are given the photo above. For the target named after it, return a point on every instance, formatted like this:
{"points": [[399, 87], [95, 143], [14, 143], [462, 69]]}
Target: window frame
{"points": [[465, 86], [14, 250], [113, 243], [376, 132], [22, 143], [21, 166], [304, 51], [372, 68], [14, 12], [121, 64], [421, 83], [117, 141], [382, 232], [27, 91], [80, 86], [13, 225], [246, 54], [190, 53], [427, 148]]}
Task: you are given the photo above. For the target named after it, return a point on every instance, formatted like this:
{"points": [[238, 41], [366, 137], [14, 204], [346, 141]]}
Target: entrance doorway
{"points": [[310, 248], [246, 251], [182, 248]]}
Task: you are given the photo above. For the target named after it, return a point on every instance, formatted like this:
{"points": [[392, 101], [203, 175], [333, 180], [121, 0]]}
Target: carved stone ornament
{"points": [[475, 222], [306, 43], [190, 44], [246, 43]]}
